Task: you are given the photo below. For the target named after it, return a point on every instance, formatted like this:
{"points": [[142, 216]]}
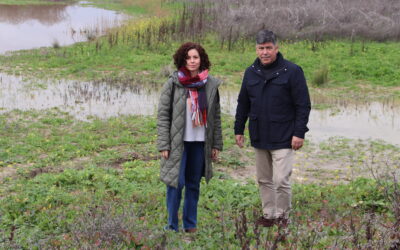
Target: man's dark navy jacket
{"points": [[277, 104]]}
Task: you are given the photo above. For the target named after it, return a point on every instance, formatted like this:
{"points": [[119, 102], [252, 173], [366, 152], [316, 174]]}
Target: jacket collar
{"points": [[278, 63], [277, 68]]}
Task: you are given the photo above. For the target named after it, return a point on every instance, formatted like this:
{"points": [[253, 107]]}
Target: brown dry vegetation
{"points": [[233, 20]]}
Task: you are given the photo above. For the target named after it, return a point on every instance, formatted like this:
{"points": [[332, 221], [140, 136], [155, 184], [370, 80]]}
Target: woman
{"points": [[189, 132]]}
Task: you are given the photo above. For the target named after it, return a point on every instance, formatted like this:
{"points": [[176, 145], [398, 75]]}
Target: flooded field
{"points": [[348, 118], [33, 26]]}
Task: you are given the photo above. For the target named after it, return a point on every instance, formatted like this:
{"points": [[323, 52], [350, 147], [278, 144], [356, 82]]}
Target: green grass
{"points": [[134, 7], [41, 140], [374, 67], [97, 183]]}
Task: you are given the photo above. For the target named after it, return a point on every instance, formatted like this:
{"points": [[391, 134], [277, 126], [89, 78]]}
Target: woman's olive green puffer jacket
{"points": [[171, 129]]}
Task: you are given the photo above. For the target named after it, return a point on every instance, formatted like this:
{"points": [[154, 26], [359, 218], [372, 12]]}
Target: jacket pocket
{"points": [[281, 80], [253, 128], [282, 114], [254, 82], [280, 132], [253, 88]]}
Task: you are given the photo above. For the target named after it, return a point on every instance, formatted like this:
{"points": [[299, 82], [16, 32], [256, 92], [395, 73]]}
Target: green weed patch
{"points": [[96, 183]]}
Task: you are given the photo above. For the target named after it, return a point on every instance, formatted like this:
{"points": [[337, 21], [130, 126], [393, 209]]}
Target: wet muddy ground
{"points": [[335, 160]]}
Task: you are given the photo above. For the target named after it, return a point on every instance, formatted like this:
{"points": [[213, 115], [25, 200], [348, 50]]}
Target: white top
{"points": [[192, 133]]}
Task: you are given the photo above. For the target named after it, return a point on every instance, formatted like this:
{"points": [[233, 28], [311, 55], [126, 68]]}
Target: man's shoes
{"points": [[262, 221], [190, 230]]}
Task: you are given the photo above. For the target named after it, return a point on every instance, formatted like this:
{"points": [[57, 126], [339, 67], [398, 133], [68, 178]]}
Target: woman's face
{"points": [[193, 61]]}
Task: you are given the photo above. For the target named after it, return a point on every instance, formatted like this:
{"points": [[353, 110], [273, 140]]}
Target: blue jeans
{"points": [[191, 171]]}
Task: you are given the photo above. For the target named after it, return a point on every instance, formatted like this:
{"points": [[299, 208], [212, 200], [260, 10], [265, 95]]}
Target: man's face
{"points": [[267, 52]]}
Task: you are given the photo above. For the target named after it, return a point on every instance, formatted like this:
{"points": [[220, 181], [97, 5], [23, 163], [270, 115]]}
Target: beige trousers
{"points": [[274, 168]]}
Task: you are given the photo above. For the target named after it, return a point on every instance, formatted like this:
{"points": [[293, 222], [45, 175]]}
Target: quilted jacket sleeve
{"points": [[218, 142], [163, 117]]}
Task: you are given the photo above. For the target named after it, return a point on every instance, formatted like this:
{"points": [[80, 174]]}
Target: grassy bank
{"points": [[371, 63], [366, 75], [67, 183]]}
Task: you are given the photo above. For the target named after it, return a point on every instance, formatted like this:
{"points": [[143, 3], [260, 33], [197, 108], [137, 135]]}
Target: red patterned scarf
{"points": [[197, 93]]}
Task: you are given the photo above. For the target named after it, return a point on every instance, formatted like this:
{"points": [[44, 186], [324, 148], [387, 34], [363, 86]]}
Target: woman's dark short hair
{"points": [[182, 52]]}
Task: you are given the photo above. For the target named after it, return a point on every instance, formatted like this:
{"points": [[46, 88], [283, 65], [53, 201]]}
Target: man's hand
{"points": [[240, 140], [297, 142], [214, 154], [165, 154]]}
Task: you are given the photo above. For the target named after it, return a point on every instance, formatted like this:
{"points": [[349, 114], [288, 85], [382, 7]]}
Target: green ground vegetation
{"points": [[373, 66], [96, 183]]}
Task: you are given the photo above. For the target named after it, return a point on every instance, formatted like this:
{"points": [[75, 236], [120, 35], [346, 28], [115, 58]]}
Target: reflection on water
{"points": [[33, 26], [375, 120], [81, 99], [356, 118], [349, 118], [44, 14]]}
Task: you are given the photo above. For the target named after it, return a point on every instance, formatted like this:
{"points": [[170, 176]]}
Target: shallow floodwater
{"points": [[33, 26], [349, 118], [80, 99], [374, 120]]}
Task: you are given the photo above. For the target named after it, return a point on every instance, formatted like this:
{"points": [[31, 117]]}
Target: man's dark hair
{"points": [[182, 53], [266, 36]]}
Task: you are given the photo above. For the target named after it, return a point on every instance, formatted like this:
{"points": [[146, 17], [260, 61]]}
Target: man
{"points": [[274, 97]]}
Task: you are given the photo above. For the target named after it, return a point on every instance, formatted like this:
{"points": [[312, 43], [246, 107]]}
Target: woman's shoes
{"points": [[169, 228], [187, 230]]}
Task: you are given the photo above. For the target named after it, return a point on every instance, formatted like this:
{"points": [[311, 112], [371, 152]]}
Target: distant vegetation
{"points": [[315, 20], [235, 21]]}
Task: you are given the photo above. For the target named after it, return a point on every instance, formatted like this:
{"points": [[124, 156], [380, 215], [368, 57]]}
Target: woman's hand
{"points": [[214, 154], [165, 154]]}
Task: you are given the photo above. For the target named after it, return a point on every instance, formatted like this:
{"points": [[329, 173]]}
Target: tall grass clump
{"points": [[55, 44], [320, 76], [187, 23]]}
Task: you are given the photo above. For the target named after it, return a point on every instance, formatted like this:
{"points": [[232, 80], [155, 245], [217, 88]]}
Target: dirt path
{"points": [[337, 163]]}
